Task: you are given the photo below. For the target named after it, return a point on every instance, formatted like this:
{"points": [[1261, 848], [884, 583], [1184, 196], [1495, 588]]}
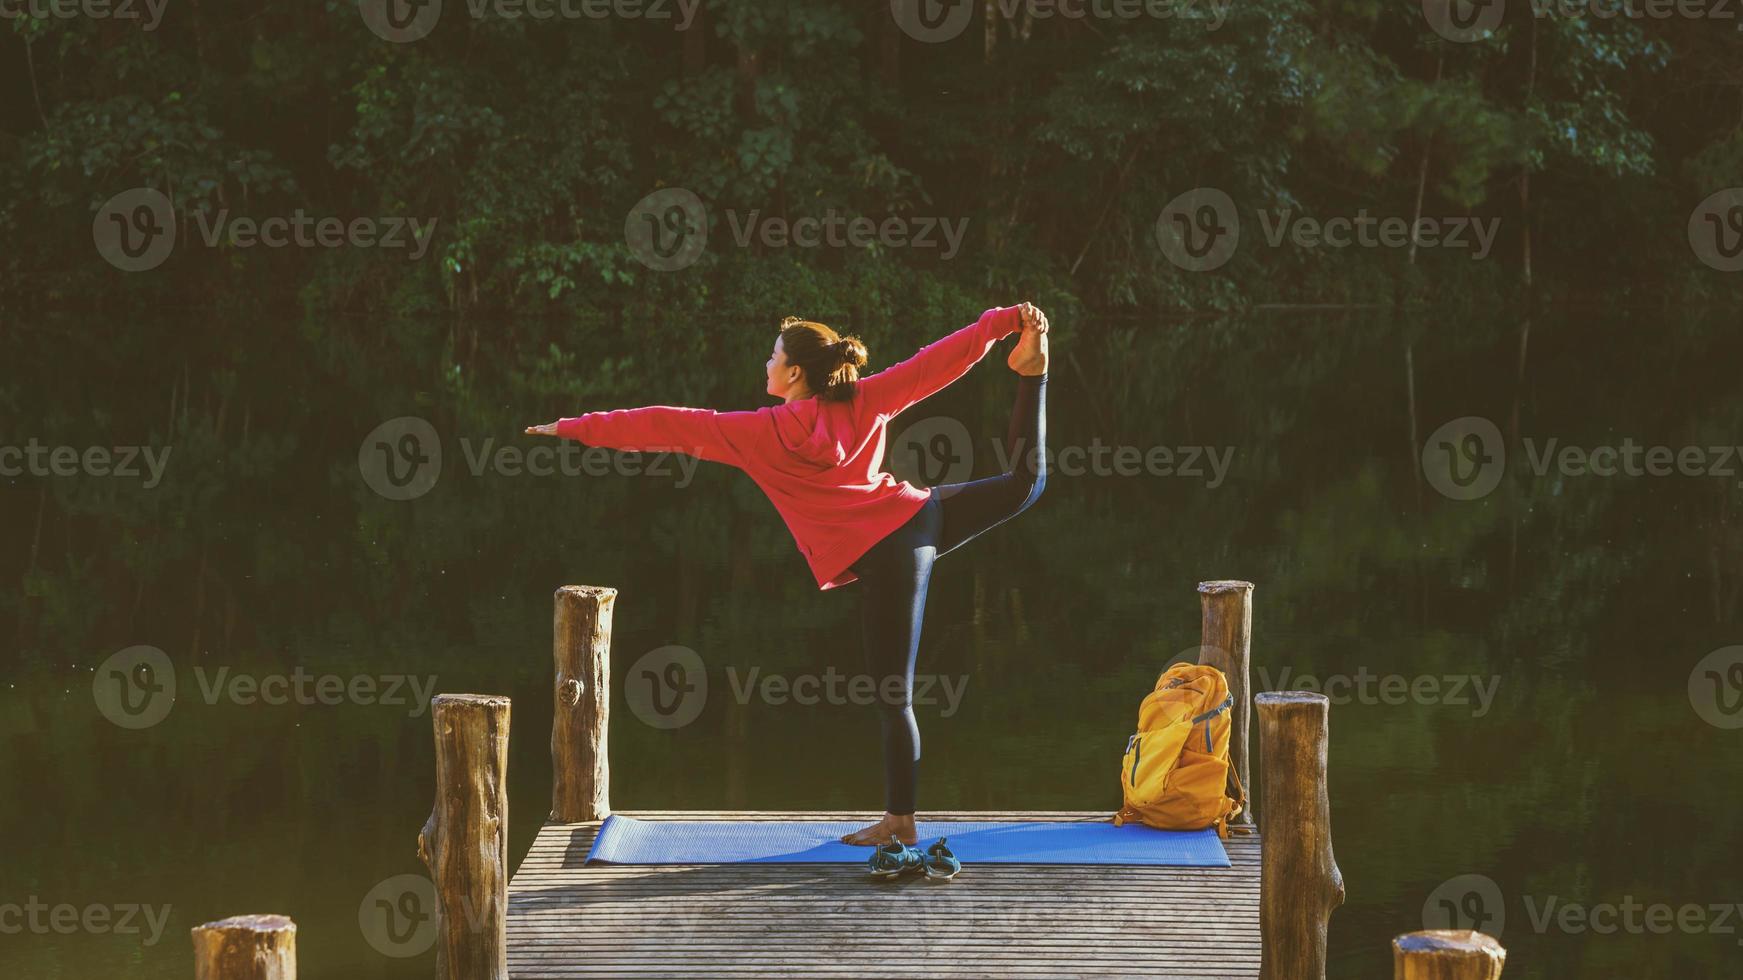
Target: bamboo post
{"points": [[246, 947], [1299, 881], [581, 648], [465, 841], [1226, 644], [1447, 954]]}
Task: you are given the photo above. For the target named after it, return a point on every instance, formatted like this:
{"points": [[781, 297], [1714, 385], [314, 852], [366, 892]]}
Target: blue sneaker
{"points": [[895, 859], [941, 865]]}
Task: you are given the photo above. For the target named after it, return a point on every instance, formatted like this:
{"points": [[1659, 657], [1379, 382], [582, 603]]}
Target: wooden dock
{"points": [[568, 919], [1265, 917]]}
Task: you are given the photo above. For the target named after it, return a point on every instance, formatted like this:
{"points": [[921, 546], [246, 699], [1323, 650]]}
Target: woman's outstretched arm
{"points": [[892, 390], [721, 437]]}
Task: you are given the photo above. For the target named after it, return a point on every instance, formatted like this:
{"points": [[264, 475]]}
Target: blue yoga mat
{"points": [[625, 840]]}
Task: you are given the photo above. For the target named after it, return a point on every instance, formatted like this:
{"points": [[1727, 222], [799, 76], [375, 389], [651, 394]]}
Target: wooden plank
{"points": [[567, 919]]}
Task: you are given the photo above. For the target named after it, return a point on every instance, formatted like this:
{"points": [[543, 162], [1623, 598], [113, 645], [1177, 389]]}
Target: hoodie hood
{"points": [[815, 432]]}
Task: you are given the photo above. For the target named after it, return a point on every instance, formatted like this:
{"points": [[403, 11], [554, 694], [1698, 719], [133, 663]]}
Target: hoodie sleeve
{"points": [[895, 388], [721, 437]]}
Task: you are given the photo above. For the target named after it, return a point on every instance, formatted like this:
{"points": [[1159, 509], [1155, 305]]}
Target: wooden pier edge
{"points": [[465, 841], [1447, 954], [246, 947], [1225, 643]]}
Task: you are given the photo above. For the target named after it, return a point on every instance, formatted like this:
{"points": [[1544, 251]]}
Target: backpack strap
{"points": [[1239, 807]]}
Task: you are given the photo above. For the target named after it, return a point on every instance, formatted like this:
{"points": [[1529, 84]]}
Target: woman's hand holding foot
{"points": [[1029, 357]]}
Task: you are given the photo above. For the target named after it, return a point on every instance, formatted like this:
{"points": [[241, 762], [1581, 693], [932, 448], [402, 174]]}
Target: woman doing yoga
{"points": [[819, 458]]}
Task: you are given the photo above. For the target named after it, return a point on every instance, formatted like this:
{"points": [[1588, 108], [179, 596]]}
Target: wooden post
{"points": [[1226, 644], [1447, 954], [465, 841], [1299, 881], [247, 947], [581, 647]]}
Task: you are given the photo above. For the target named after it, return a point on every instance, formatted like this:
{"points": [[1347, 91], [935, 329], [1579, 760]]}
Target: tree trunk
{"points": [[465, 841], [247, 947], [1299, 881], [581, 648]]}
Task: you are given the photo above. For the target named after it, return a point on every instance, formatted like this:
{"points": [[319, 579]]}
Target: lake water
{"points": [[1539, 715]]}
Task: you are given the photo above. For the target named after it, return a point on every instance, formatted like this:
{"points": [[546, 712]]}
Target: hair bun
{"points": [[852, 352]]}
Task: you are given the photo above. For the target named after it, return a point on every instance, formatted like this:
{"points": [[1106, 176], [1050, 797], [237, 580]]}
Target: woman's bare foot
{"points": [[878, 834], [1029, 357]]}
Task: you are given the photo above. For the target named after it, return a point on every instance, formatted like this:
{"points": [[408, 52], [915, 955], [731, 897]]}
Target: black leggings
{"points": [[897, 570]]}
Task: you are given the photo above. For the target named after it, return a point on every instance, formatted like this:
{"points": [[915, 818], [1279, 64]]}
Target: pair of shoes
{"points": [[896, 859]]}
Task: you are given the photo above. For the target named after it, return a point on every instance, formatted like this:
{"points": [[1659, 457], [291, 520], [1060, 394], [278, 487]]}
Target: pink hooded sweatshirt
{"points": [[820, 462]]}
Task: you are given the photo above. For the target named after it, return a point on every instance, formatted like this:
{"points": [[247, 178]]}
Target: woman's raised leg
{"points": [[972, 508]]}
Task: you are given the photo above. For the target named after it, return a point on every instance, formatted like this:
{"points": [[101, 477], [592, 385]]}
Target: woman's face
{"points": [[783, 377]]}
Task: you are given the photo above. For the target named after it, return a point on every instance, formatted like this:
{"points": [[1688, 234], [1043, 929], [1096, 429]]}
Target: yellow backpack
{"points": [[1176, 770]]}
